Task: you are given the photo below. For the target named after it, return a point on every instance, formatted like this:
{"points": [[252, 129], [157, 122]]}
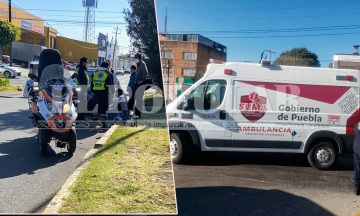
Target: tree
{"points": [[142, 29], [298, 57], [9, 33]]}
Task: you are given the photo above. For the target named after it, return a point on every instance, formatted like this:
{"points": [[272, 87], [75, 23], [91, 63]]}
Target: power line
{"points": [[265, 18], [288, 36], [321, 28], [289, 7]]}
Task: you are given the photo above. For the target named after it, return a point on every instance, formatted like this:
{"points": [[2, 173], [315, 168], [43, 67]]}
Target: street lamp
{"points": [[168, 73]]}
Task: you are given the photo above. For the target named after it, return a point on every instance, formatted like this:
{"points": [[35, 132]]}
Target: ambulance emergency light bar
{"points": [[348, 77], [218, 61]]}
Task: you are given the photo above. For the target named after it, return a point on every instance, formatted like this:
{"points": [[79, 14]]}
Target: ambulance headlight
{"points": [[172, 114]]}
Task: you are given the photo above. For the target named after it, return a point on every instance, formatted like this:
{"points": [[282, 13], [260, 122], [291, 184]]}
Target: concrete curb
{"points": [[105, 137], [57, 201]]}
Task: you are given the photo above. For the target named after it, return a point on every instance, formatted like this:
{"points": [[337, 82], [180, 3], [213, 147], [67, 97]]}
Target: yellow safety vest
{"points": [[86, 77], [99, 78]]}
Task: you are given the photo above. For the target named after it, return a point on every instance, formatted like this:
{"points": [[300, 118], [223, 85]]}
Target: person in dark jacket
{"points": [[81, 69], [102, 86], [130, 87], [140, 77], [356, 148], [82, 81]]}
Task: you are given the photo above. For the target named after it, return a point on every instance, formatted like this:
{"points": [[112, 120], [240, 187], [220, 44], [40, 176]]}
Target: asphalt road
{"points": [[29, 181], [263, 184]]}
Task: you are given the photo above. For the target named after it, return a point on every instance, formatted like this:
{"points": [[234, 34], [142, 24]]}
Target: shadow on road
{"points": [[22, 156], [16, 120], [243, 201], [344, 162]]}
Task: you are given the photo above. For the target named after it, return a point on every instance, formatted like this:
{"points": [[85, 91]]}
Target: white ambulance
{"points": [[247, 107]]}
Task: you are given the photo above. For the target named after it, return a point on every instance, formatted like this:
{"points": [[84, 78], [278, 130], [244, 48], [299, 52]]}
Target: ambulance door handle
{"points": [[222, 114]]}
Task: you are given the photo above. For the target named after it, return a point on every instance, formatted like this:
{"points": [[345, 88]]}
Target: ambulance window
{"points": [[214, 95], [195, 102]]}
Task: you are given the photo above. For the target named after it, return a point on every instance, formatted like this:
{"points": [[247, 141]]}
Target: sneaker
{"points": [[357, 192]]}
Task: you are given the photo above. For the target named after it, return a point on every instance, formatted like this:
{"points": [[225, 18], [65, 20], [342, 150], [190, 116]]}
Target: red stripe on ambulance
{"points": [[326, 94]]}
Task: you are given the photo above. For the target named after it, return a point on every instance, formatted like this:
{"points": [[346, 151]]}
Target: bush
{"points": [[4, 82]]}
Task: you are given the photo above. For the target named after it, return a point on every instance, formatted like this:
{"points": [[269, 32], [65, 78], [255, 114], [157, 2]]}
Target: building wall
{"points": [[346, 61], [204, 55], [177, 48], [77, 48], [49, 33], [347, 65]]}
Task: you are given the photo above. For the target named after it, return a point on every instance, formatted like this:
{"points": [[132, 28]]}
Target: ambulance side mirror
{"points": [[185, 106]]}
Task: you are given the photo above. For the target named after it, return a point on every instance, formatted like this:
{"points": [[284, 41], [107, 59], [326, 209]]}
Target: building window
{"points": [[51, 42], [188, 72], [166, 54], [29, 40], [41, 42], [189, 55]]}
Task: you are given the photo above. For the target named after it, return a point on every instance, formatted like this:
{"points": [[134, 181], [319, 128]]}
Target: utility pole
{"points": [[115, 46], [168, 80], [10, 54], [106, 45], [166, 17]]}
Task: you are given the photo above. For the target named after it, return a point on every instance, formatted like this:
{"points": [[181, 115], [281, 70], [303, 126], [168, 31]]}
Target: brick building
{"points": [[186, 56], [347, 61], [191, 53]]}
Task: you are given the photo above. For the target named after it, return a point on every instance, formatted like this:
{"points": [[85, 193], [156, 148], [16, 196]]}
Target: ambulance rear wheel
{"points": [[180, 152], [322, 155], [71, 143]]}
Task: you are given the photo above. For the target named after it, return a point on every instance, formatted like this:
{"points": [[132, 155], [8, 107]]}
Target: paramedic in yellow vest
{"points": [[102, 86], [82, 81]]}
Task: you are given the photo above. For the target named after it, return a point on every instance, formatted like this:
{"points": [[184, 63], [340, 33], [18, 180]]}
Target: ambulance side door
{"points": [[205, 109]]}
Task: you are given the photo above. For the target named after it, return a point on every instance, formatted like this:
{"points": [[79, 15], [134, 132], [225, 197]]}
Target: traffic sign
{"points": [[181, 80]]}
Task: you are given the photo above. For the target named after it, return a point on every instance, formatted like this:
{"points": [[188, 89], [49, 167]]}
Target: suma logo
{"points": [[253, 106]]}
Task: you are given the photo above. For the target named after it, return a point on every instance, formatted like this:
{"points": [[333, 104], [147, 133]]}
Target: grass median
{"points": [[131, 174], [5, 86]]}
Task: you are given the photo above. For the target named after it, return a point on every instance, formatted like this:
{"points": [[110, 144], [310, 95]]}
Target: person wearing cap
{"points": [[102, 86], [140, 77]]}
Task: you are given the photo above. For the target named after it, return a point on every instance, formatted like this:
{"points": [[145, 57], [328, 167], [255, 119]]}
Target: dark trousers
{"points": [[356, 171], [138, 97], [131, 101], [101, 98]]}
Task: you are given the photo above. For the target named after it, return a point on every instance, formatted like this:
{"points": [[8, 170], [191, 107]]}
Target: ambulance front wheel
{"points": [[71, 143], [322, 155], [180, 152]]}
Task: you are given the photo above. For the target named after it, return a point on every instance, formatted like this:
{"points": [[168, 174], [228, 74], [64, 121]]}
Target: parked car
{"points": [[8, 72], [72, 62], [71, 66], [127, 70], [65, 63], [119, 71]]}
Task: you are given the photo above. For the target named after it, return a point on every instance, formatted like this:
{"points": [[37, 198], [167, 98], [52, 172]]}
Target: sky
{"points": [[108, 16], [248, 27]]}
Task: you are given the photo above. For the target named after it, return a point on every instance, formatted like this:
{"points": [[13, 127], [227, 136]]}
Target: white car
{"points": [[71, 66], [8, 72], [119, 71], [245, 107]]}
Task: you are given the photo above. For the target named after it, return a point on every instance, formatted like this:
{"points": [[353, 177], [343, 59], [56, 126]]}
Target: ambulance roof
{"points": [[284, 74]]}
